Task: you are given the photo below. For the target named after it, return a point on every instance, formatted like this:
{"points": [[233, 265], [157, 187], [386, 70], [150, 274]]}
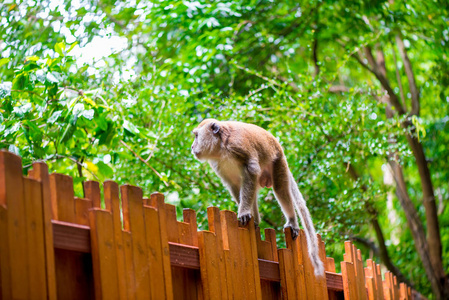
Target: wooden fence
{"points": [[57, 246]]}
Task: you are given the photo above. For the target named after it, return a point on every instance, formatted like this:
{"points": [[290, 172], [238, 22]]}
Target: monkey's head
{"points": [[207, 140]]}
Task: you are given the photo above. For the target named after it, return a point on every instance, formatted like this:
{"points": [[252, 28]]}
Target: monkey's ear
{"points": [[215, 128]]}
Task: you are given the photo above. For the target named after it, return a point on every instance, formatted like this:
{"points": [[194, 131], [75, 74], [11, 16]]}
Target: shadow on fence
{"points": [[57, 246]]}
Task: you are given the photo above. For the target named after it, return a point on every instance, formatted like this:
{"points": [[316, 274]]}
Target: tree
{"points": [[346, 87]]}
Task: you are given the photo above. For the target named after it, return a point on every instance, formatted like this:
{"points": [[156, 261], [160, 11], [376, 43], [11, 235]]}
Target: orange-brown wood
{"points": [[302, 291], [316, 286], [35, 238], [247, 263], [129, 265], [184, 235], [157, 199], [161, 285], [288, 274], [233, 254], [74, 276], [360, 275], [380, 290], [62, 199], [137, 260], [214, 222], [211, 276], [371, 289], [254, 259], [40, 173], [395, 288], [112, 204], [349, 280], [12, 197], [132, 200], [388, 293], [270, 236], [5, 261], [172, 223], [189, 217], [354, 256], [93, 193], [186, 283], [82, 207], [403, 291], [330, 265], [321, 280], [104, 260]]}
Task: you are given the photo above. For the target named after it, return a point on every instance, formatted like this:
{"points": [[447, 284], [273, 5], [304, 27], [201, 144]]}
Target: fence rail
{"points": [[57, 246]]}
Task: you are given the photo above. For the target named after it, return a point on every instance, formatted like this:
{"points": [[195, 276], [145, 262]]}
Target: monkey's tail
{"points": [[306, 221]]}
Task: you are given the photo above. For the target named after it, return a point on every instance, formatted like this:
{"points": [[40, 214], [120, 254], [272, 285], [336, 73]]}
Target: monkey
{"points": [[247, 158]]}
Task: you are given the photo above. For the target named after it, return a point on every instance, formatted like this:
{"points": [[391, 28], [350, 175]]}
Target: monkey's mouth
{"points": [[196, 154]]}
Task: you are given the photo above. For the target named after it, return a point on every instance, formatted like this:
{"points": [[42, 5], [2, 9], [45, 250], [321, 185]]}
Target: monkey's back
{"points": [[250, 140]]}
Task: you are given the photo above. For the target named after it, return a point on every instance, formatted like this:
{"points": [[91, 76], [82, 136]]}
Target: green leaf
{"points": [[88, 114], [4, 60], [130, 127], [59, 48], [71, 47], [32, 58], [54, 117], [69, 130], [105, 169]]}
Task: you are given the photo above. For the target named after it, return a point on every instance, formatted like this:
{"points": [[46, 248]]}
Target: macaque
{"points": [[248, 158]]}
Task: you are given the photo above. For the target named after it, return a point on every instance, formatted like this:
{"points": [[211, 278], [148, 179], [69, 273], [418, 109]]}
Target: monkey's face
{"points": [[207, 141]]}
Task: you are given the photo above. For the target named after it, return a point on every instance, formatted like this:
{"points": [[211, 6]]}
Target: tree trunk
{"points": [[430, 249]]}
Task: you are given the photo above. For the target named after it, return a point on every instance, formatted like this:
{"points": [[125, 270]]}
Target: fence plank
{"points": [[104, 260], [158, 200], [35, 236], [93, 193], [253, 254], [172, 223], [349, 280], [82, 207], [5, 261], [214, 222], [231, 245], [330, 265], [74, 277], [318, 284], [12, 197], [287, 272], [211, 276], [302, 291], [129, 265], [360, 274], [189, 216], [62, 198], [270, 236], [132, 203], [40, 172], [161, 281], [112, 204]]}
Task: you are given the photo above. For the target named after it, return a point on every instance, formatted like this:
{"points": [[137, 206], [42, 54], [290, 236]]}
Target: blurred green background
{"points": [[112, 89]]}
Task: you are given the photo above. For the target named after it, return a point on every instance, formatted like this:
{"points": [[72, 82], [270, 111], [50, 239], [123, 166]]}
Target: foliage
{"points": [[286, 66]]}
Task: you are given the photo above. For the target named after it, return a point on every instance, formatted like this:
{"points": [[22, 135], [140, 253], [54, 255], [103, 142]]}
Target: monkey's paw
{"points": [[244, 219], [295, 232]]}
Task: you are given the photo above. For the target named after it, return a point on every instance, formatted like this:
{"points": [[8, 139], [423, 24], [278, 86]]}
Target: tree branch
{"points": [[382, 251], [144, 161], [410, 76]]}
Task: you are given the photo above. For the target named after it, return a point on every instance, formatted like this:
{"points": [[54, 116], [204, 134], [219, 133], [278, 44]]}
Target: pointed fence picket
{"points": [[57, 246]]}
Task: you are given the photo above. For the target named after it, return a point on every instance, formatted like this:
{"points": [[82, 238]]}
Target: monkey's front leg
{"points": [[248, 192]]}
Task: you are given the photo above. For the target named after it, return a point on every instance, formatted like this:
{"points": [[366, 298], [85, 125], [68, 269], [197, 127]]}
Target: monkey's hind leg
{"points": [[256, 214], [248, 192], [281, 188]]}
